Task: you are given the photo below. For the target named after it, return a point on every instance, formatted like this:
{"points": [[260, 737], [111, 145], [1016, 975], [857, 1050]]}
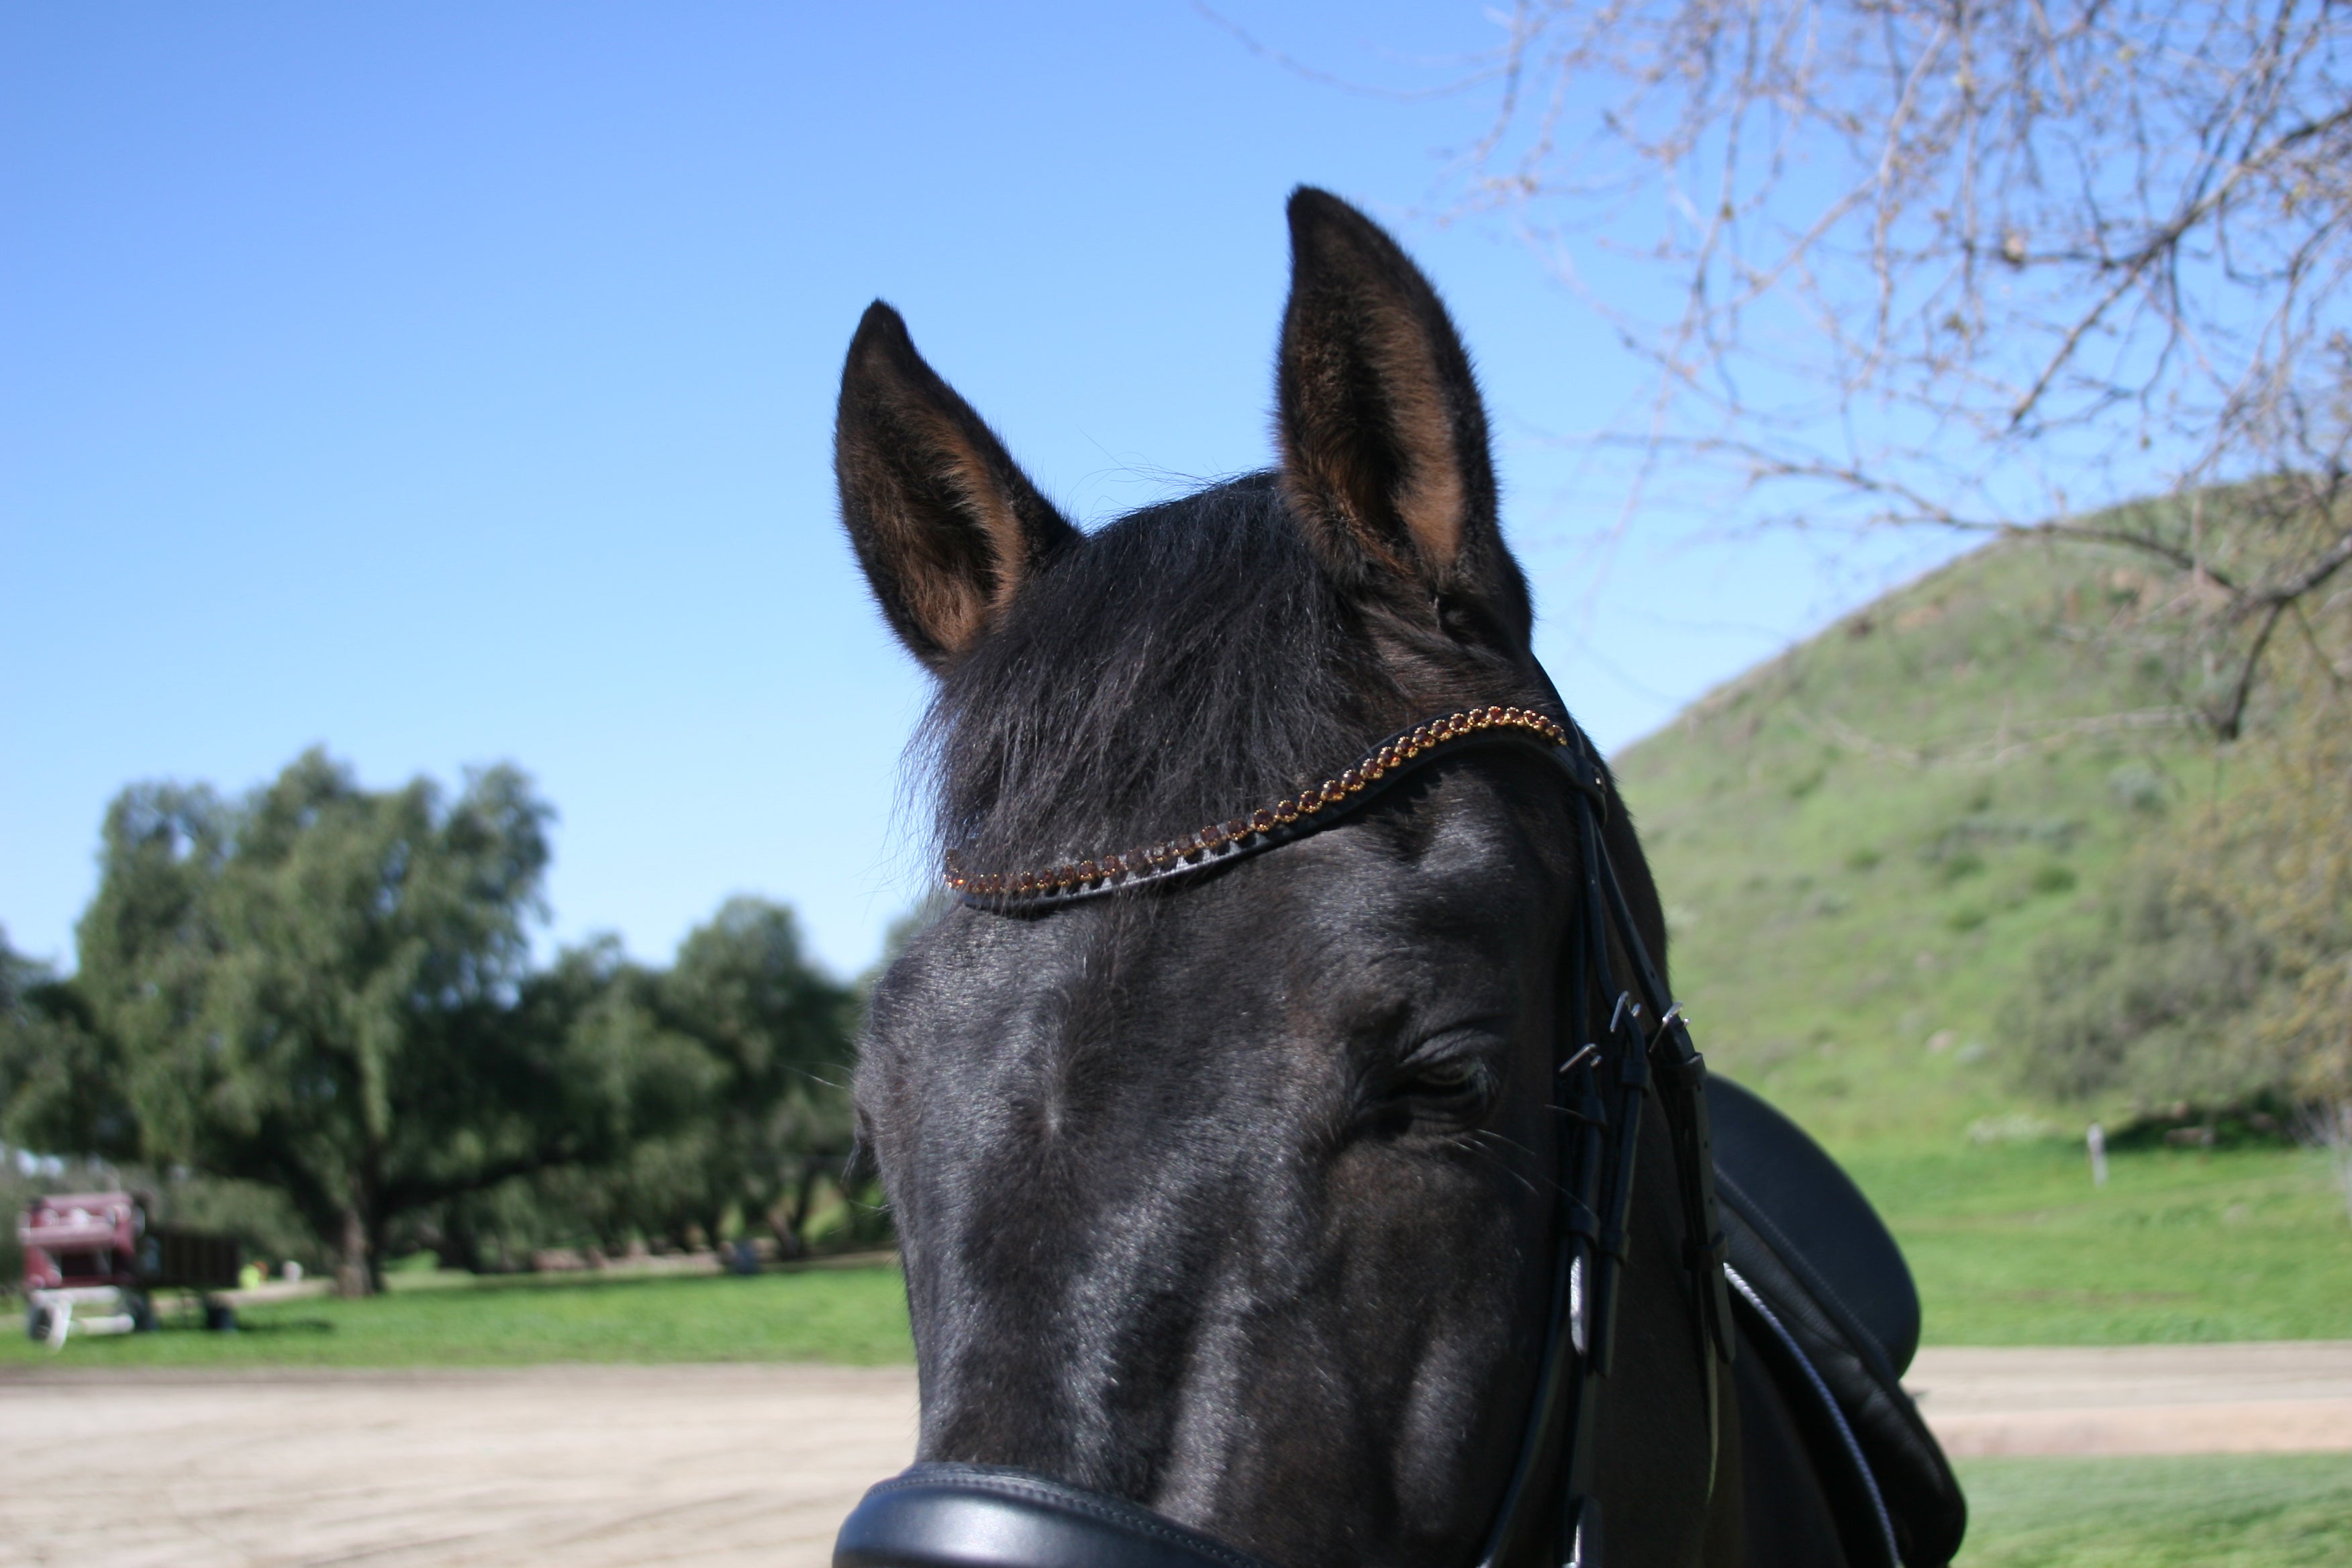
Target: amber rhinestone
{"points": [[1236, 829], [1351, 781], [1263, 820]]}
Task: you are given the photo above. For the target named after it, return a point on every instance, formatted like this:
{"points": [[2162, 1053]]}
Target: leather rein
{"points": [[1621, 1037]]}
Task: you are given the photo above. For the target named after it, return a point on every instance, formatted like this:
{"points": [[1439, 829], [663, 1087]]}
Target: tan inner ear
{"points": [[1430, 501], [942, 595], [950, 612], [986, 501]]}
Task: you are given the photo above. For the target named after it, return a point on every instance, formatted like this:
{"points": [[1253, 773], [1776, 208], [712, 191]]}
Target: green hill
{"points": [[1862, 843]]}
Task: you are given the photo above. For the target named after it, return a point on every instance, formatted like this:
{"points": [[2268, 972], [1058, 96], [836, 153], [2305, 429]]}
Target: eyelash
{"points": [[1455, 1082], [1450, 1076]]}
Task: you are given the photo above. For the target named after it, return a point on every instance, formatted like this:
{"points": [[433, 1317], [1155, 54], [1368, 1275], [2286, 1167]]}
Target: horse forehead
{"points": [[1415, 874]]}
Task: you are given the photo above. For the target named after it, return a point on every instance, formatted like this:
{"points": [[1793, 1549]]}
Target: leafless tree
{"points": [[1983, 264]]}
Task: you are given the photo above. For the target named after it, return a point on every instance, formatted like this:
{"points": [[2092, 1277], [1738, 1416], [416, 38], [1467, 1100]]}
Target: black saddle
{"points": [[1823, 1291]]}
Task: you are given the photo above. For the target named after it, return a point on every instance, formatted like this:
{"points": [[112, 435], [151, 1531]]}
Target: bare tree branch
{"points": [[1993, 266]]}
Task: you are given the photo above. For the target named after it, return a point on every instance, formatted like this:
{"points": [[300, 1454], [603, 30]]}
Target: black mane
{"points": [[1184, 664]]}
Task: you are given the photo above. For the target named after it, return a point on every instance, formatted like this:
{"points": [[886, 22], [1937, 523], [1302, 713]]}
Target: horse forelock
{"points": [[1177, 666]]}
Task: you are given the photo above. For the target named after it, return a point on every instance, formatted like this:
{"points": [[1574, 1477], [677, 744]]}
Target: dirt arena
{"points": [[588, 1466]]}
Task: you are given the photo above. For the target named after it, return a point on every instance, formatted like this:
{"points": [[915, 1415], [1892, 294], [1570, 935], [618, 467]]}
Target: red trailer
{"points": [[92, 1263]]}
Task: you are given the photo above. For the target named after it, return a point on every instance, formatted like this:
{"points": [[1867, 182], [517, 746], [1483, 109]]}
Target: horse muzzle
{"points": [[986, 1516]]}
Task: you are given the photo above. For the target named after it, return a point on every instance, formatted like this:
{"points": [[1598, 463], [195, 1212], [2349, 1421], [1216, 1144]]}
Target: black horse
{"points": [[1238, 1196]]}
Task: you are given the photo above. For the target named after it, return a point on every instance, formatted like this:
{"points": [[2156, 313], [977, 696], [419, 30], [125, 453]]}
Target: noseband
{"points": [[971, 1516]]}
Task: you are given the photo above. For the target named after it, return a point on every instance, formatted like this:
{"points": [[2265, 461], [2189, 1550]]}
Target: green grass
{"points": [[2216, 1510], [2011, 1243], [848, 1316]]}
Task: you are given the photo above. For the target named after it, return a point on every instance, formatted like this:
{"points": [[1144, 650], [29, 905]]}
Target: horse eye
{"points": [[1451, 1083]]}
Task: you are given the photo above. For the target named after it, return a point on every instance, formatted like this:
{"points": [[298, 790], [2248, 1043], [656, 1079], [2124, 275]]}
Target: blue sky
{"points": [[447, 385]]}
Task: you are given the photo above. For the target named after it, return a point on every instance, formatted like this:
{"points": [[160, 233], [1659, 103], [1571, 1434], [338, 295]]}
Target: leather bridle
{"points": [[971, 1516]]}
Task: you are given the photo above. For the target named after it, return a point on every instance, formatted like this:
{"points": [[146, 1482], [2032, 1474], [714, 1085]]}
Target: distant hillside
{"points": [[1861, 843]]}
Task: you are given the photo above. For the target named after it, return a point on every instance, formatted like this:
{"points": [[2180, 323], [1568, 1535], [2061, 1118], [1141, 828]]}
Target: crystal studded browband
{"points": [[1284, 820]]}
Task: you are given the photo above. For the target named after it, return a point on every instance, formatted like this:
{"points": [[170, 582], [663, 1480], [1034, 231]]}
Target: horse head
{"points": [[1236, 1195]]}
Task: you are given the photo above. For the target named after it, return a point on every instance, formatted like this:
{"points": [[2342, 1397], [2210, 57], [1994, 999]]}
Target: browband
{"points": [[1309, 811]]}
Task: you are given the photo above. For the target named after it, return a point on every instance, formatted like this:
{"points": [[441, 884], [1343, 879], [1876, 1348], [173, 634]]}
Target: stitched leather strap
{"points": [[986, 1516]]}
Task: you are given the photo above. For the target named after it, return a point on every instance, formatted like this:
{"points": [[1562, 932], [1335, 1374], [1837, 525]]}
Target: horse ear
{"points": [[1383, 435], [946, 526]]}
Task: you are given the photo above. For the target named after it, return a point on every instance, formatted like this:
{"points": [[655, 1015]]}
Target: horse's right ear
{"points": [[945, 525]]}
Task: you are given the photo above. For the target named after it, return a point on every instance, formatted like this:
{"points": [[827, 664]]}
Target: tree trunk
{"points": [[792, 1216], [379, 1225], [355, 1274]]}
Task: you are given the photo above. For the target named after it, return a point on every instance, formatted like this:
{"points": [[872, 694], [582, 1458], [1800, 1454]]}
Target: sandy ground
{"points": [[2280, 1397], [583, 1467], [708, 1465]]}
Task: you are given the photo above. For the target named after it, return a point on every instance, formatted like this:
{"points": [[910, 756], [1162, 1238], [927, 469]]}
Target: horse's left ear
{"points": [[1384, 453], [945, 523]]}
